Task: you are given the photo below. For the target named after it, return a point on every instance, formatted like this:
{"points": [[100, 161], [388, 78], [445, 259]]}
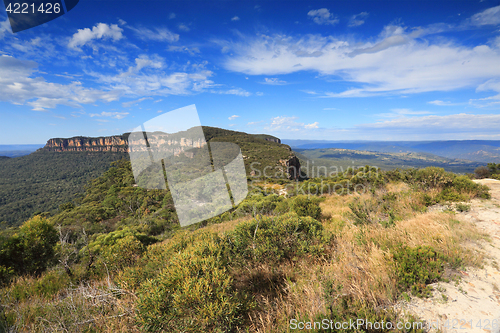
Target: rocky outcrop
{"points": [[272, 139], [292, 165]]}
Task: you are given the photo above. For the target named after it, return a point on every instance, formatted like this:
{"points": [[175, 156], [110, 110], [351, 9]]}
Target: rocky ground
{"points": [[471, 303]]}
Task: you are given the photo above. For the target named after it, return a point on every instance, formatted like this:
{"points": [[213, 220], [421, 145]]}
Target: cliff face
{"points": [[120, 143], [116, 143]]}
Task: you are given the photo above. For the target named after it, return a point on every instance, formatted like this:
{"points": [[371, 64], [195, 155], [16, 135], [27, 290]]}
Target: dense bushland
{"points": [[116, 259]]}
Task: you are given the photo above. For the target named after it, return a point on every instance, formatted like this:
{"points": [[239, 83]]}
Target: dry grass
{"points": [[358, 263], [98, 306], [361, 264]]}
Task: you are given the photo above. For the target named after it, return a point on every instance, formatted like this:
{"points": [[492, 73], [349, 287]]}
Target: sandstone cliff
{"points": [[117, 143]]}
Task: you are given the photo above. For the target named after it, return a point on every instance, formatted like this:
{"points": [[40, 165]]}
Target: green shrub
{"points": [[272, 239], [433, 177], [282, 207], [450, 195], [416, 267], [5, 274], [31, 250], [47, 285], [361, 211], [259, 204], [428, 200], [118, 249], [305, 206], [462, 207], [193, 293], [466, 186], [482, 172]]}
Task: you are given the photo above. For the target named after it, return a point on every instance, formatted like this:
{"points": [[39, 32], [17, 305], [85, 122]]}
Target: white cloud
{"points": [[322, 16], [454, 123], [171, 16], [183, 27], [490, 16], [358, 19], [402, 113], [157, 82], [19, 85], [129, 104], [233, 117], [5, 28], [236, 91], [490, 85], [100, 31], [443, 103], [394, 63], [190, 50], [158, 35], [235, 18], [313, 125], [429, 127], [274, 81], [284, 123], [115, 115]]}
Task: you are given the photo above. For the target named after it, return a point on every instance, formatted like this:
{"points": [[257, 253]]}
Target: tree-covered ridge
{"points": [[45, 179], [41, 181]]}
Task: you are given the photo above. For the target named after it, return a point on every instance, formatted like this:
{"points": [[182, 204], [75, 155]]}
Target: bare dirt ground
{"points": [[472, 303]]}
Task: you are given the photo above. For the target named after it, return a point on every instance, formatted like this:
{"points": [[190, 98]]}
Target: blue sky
{"points": [[330, 70]]}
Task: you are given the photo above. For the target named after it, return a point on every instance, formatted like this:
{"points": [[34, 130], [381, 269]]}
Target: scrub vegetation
{"points": [[117, 260]]}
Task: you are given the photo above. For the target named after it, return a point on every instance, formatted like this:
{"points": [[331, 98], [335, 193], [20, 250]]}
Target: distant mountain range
{"points": [[484, 151], [18, 150]]}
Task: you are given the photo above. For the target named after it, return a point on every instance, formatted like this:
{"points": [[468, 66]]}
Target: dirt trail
{"points": [[473, 305]]}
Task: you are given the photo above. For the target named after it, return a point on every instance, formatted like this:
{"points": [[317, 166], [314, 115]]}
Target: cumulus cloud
{"points": [[20, 85], [233, 117], [289, 124], [235, 18], [313, 125], [100, 31], [322, 16], [396, 62], [358, 19], [158, 34]]}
